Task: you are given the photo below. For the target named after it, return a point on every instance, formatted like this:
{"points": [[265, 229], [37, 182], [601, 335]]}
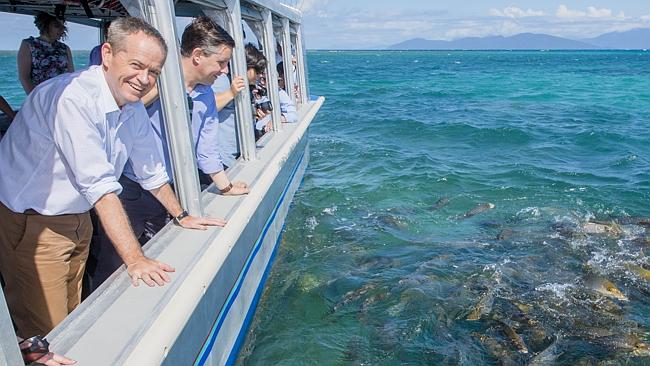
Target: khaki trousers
{"points": [[42, 261]]}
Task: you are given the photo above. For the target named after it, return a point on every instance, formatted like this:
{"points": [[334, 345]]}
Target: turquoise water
{"points": [[10, 87], [371, 271]]}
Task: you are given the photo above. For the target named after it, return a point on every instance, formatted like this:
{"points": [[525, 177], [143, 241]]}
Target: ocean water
{"points": [[10, 87], [379, 265]]}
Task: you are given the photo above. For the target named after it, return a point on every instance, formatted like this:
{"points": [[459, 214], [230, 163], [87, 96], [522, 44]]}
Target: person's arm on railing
{"points": [[165, 195], [118, 229]]}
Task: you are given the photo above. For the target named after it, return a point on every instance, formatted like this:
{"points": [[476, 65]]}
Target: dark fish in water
{"points": [[515, 338], [602, 227], [477, 210], [596, 332], [604, 287], [392, 221], [641, 221], [491, 224], [354, 295], [549, 355], [376, 261], [505, 234], [498, 351], [442, 202], [627, 342], [643, 273], [483, 307]]}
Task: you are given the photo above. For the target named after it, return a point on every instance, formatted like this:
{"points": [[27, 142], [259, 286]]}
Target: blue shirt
{"points": [[227, 136], [205, 122], [67, 146]]}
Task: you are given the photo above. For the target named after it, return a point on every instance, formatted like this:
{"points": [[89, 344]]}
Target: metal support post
{"points": [[271, 71], [301, 56], [287, 60], [231, 22], [173, 97]]}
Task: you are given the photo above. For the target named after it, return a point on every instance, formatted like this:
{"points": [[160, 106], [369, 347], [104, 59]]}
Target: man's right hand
{"points": [[150, 271], [237, 85]]}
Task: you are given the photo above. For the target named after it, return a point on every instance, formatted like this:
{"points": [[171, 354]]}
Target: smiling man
{"points": [[206, 50], [62, 155]]}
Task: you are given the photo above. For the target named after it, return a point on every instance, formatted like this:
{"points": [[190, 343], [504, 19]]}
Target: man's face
{"points": [[210, 67], [281, 81], [132, 71]]}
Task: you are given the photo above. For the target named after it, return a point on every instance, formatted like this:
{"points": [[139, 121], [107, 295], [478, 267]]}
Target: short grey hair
{"points": [[121, 28]]}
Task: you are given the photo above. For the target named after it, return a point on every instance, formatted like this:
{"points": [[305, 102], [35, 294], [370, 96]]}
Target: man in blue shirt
{"points": [[63, 155], [206, 50]]}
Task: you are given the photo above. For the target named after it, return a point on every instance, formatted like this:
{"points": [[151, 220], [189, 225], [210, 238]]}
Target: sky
{"points": [[361, 24], [377, 24]]}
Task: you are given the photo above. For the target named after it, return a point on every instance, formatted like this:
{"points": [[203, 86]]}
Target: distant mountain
{"points": [[633, 39]]}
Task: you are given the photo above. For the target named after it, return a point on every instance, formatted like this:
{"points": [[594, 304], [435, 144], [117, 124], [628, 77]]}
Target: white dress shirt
{"points": [[69, 143], [287, 108]]}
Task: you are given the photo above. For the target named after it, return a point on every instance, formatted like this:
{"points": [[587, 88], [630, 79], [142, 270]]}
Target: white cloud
{"points": [[592, 12], [479, 29], [564, 12], [515, 12]]}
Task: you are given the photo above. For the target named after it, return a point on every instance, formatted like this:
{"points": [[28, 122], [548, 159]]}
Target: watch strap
{"points": [[181, 216], [225, 190]]}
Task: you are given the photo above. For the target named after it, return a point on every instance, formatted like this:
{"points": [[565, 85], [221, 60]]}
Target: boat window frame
{"points": [[230, 19], [175, 108], [287, 55]]}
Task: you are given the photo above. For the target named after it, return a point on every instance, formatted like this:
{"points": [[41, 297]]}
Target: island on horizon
{"points": [[635, 39]]}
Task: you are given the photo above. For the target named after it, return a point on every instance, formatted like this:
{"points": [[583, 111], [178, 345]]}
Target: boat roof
{"points": [[92, 12]]}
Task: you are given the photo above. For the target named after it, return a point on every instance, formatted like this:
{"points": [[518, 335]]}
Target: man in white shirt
{"points": [[62, 156]]}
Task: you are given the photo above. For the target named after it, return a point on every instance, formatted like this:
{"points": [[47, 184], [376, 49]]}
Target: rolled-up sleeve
{"points": [[145, 159], [81, 148], [208, 157]]}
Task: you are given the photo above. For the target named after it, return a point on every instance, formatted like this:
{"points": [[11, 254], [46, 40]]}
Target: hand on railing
{"points": [[150, 271], [36, 351], [238, 188], [200, 223]]}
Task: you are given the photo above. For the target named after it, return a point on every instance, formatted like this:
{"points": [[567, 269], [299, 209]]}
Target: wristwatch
{"points": [[181, 216], [229, 187]]}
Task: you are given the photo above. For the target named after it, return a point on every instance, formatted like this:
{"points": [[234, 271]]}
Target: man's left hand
{"points": [[201, 223]]}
